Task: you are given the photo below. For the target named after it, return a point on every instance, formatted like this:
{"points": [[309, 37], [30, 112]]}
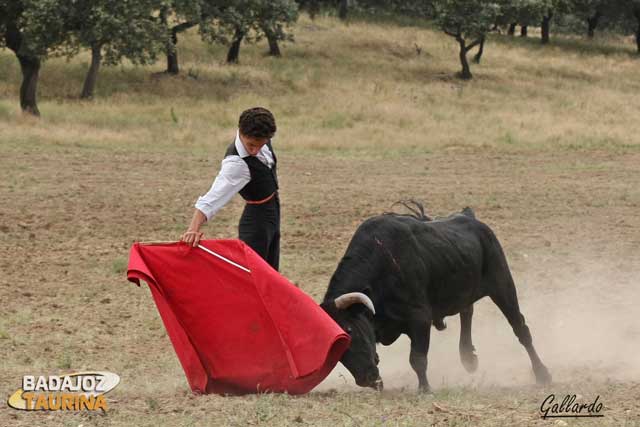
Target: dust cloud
{"points": [[584, 320]]}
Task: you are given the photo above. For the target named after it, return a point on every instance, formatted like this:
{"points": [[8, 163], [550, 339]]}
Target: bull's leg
{"points": [[467, 350], [419, 333], [507, 301]]}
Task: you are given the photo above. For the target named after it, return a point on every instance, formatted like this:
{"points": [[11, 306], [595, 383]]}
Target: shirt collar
{"points": [[242, 152]]}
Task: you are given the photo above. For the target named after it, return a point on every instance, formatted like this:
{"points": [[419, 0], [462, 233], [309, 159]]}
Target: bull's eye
{"points": [[348, 329]]}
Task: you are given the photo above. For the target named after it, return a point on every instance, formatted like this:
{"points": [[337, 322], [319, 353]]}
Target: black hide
{"points": [[417, 271]]}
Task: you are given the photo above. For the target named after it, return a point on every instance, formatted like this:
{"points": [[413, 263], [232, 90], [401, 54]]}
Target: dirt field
{"points": [[77, 191]]}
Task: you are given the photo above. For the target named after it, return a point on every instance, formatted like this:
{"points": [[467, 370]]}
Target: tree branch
{"points": [[183, 27], [474, 44], [13, 38], [452, 34]]}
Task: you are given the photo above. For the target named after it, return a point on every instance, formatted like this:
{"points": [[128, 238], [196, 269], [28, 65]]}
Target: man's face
{"points": [[253, 144]]}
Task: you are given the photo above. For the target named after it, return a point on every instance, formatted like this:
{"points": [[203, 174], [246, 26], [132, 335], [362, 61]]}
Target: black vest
{"points": [[264, 181]]}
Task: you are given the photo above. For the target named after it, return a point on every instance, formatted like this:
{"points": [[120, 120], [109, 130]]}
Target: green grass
{"points": [[385, 90], [64, 360], [119, 266]]}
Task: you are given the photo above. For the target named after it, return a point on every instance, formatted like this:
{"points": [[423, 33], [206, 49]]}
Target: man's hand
{"points": [[192, 238], [193, 235]]}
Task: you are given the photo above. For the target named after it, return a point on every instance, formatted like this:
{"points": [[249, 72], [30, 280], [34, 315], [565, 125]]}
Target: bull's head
{"points": [[354, 313]]}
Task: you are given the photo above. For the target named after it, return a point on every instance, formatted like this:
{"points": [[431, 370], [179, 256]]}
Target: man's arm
{"points": [[193, 235], [234, 175]]}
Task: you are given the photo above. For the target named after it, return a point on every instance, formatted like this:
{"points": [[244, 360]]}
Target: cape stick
{"points": [[209, 251]]}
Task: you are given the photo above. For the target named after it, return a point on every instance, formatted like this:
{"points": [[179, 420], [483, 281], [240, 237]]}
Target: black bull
{"points": [[403, 273]]}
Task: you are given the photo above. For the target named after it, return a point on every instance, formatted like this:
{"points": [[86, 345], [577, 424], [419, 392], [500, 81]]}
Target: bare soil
{"points": [[567, 219]]}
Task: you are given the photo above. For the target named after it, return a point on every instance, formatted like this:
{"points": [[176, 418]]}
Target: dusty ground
{"points": [[568, 226], [543, 145]]}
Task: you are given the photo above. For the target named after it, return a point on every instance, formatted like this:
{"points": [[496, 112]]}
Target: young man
{"points": [[249, 167]]}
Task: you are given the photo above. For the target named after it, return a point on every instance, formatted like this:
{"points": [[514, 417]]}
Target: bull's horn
{"points": [[346, 300]]}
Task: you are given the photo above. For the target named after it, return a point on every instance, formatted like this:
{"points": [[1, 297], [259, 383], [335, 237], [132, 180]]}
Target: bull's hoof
{"points": [[469, 361], [543, 377], [424, 389], [440, 324]]}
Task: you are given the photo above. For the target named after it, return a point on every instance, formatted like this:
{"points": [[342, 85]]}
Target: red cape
{"points": [[237, 332]]}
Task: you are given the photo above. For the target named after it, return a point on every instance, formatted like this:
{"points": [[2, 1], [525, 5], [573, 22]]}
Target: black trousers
{"points": [[260, 229]]}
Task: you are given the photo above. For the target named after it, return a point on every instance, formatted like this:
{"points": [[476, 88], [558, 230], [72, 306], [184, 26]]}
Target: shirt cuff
{"points": [[203, 207]]}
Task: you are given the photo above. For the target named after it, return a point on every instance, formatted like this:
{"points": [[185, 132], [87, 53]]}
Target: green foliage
{"points": [[276, 17], [31, 27], [415, 8], [467, 19], [523, 12], [251, 18], [37, 29], [121, 29]]}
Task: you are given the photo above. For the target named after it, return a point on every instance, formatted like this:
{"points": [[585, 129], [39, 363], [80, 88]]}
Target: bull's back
{"points": [[400, 261], [441, 262]]}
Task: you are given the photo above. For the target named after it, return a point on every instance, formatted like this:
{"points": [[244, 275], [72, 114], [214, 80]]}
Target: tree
{"points": [[635, 8], [236, 20], [597, 12], [178, 16], [523, 12], [545, 26], [32, 29], [411, 8], [552, 7], [273, 18], [343, 9], [230, 22], [312, 7], [468, 21], [593, 19], [114, 31]]}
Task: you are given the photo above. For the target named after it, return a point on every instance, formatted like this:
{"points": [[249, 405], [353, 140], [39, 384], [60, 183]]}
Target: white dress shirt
{"points": [[233, 176]]}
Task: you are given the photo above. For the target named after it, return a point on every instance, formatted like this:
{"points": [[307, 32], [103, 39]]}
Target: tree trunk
{"points": [[343, 9], [171, 48], [592, 23], [30, 66], [636, 12], [92, 74], [512, 29], [274, 49], [546, 24], [465, 74], [478, 55], [523, 31], [234, 49], [172, 62], [314, 8], [172, 54], [172, 44]]}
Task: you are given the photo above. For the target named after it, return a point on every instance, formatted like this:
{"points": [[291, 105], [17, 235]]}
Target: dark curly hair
{"points": [[257, 122]]}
